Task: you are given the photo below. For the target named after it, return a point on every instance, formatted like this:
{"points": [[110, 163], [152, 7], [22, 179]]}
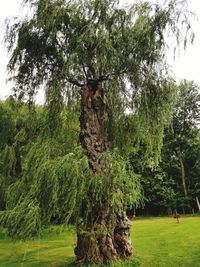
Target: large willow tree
{"points": [[110, 55]]}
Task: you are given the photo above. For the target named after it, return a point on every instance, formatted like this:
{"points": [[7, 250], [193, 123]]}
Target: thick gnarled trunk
{"points": [[93, 124], [107, 240], [108, 235]]}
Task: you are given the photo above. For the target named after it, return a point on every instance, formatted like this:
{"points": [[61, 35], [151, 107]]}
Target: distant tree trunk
{"points": [[198, 204], [193, 211], [113, 241], [183, 210], [183, 178]]}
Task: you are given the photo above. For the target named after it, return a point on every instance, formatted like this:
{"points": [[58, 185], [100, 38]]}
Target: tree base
{"points": [[107, 240]]}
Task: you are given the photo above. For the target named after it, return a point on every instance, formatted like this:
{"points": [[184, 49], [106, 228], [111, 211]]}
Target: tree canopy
{"points": [[66, 41]]}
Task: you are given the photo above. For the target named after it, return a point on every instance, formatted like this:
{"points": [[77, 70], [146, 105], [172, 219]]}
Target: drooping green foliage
{"points": [[55, 184], [66, 40], [156, 116], [13, 141], [50, 195], [26, 151], [6, 126], [64, 188]]}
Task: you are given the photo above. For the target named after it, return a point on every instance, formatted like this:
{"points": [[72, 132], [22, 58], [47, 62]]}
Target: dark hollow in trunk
{"points": [[108, 235]]}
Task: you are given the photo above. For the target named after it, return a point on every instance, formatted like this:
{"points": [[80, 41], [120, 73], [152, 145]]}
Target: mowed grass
{"points": [[161, 242], [158, 242], [53, 249]]}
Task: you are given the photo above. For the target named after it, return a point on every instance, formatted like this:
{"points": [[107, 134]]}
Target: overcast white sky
{"points": [[186, 64]]}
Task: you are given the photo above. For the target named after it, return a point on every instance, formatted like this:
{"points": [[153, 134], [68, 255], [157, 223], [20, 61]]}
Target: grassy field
{"points": [[165, 243], [157, 242]]}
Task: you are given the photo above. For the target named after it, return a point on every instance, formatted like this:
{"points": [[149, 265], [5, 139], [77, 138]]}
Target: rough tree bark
{"points": [[109, 231]]}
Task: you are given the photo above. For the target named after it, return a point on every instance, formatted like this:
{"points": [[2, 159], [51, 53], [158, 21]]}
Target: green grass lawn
{"points": [[157, 242], [163, 242]]}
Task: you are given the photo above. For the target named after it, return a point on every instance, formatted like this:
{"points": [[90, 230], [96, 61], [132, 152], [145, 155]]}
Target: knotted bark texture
{"points": [[107, 236], [93, 124]]}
